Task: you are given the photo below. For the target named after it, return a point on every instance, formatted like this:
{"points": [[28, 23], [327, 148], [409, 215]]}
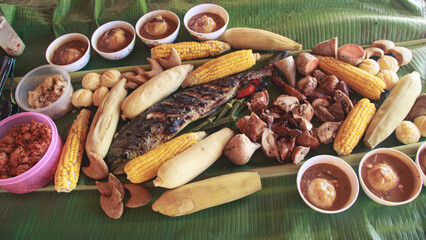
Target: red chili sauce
{"points": [[335, 175], [405, 186], [114, 40], [157, 28], [206, 22], [69, 52]]}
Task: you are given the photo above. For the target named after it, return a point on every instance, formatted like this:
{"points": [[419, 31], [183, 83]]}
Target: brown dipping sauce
{"points": [[422, 160], [114, 40], [69, 52], [335, 175], [201, 24], [404, 188], [157, 28]]}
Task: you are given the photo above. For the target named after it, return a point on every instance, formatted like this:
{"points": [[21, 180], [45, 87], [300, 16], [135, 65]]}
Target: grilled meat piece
{"points": [[165, 119]]}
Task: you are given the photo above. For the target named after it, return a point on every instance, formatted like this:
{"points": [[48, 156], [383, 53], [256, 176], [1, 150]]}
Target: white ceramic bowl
{"points": [[118, 54], [423, 146], [338, 162], [404, 158], [77, 65], [213, 8], [32, 79], [169, 39]]}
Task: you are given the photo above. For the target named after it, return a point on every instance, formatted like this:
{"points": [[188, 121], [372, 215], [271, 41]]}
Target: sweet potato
{"points": [[351, 53], [326, 48], [306, 63]]}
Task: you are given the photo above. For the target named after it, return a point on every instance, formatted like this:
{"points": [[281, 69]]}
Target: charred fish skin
{"points": [[167, 118]]}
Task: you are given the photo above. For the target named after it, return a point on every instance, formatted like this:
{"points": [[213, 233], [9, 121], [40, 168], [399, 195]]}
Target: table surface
{"points": [[275, 212]]}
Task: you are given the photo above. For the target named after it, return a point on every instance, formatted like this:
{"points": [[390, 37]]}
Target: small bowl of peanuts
{"points": [[30, 148]]}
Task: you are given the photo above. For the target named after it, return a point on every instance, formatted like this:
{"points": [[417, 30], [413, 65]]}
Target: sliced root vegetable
{"points": [[97, 169], [373, 52], [288, 68], [112, 205], [155, 68], [402, 54], [418, 109], [207, 193], [116, 183], [306, 63], [172, 61], [139, 195], [351, 53], [327, 48], [384, 44]]}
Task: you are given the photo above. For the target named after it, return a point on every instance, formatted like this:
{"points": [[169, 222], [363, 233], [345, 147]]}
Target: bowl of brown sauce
{"points": [[70, 51], [158, 27], [114, 40], [421, 161], [206, 21], [389, 177], [327, 184]]}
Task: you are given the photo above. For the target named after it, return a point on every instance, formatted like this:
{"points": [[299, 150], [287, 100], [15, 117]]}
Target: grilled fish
{"points": [[165, 119]]}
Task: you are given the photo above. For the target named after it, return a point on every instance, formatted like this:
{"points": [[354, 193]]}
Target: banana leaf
{"points": [[277, 211]]}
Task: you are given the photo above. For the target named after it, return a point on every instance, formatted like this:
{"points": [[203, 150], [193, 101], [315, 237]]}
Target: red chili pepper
{"points": [[247, 91]]}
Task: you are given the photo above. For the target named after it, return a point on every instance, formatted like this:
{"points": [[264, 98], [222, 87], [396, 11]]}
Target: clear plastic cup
{"points": [[41, 173], [32, 79], [9, 40]]}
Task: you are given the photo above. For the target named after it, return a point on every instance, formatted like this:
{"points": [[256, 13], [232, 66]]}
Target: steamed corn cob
{"points": [[68, 170], [207, 193], [223, 66], [359, 80], [190, 50], [354, 127], [145, 167]]}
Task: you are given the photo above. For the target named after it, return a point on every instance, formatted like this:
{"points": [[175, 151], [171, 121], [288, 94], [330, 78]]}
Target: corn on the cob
{"points": [[258, 39], [223, 66], [394, 109], [145, 167], [68, 169], [207, 193], [190, 50], [359, 80], [354, 127], [193, 161]]}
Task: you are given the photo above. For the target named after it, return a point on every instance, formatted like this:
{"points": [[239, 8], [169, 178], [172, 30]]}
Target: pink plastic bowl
{"points": [[41, 173]]}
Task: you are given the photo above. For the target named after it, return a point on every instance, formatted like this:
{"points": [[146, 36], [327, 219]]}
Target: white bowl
{"points": [[151, 42], [338, 162], [77, 65], [213, 8], [423, 146], [32, 79], [118, 54], [408, 162]]}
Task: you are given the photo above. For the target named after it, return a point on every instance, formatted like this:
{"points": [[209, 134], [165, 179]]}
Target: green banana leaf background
{"points": [[275, 212]]}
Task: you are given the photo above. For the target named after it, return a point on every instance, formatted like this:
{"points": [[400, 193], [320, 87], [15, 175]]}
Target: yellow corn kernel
{"points": [[359, 80], [145, 167], [68, 170], [354, 126], [190, 50], [220, 67]]}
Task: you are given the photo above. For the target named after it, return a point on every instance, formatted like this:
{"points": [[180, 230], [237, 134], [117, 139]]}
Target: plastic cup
{"points": [[30, 82]]}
